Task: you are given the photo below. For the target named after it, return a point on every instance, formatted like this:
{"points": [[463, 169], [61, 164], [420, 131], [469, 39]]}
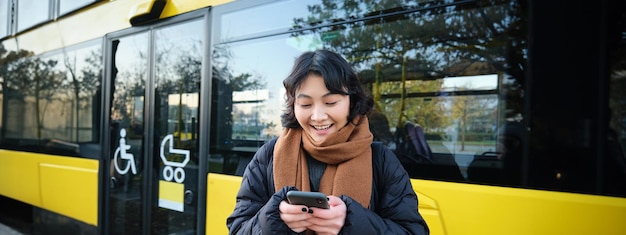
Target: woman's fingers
{"points": [[295, 216], [329, 221]]}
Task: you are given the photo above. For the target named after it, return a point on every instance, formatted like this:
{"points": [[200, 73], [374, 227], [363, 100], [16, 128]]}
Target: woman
{"points": [[326, 146]]}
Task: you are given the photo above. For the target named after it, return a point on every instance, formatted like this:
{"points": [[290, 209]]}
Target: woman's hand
{"points": [[328, 221], [295, 216]]}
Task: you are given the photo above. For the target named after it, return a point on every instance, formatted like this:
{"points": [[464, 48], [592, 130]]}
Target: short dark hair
{"points": [[339, 78]]}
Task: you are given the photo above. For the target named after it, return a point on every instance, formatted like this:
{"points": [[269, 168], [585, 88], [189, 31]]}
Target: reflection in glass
{"points": [[178, 63], [4, 18], [422, 62], [615, 161], [32, 12], [66, 6], [237, 24], [49, 102], [128, 81], [247, 98]]}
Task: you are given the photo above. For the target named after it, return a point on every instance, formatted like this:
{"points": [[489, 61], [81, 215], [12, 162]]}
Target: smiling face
{"points": [[319, 112]]}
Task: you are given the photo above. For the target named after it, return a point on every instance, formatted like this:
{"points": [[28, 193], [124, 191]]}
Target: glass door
{"points": [[154, 108], [128, 77], [177, 59]]}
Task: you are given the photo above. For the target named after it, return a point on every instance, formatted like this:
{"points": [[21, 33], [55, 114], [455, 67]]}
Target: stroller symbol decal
{"points": [[171, 190]]}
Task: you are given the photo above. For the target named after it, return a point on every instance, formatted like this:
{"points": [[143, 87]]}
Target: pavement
{"points": [[6, 230]]}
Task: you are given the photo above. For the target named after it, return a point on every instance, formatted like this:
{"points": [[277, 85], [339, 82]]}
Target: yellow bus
{"points": [[140, 116]]}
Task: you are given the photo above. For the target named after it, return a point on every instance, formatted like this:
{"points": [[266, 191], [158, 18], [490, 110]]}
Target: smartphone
{"points": [[309, 199]]}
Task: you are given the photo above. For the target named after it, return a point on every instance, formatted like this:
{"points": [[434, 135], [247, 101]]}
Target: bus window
{"points": [[454, 97], [452, 118], [4, 21], [614, 176], [52, 102], [30, 13], [450, 84], [248, 106]]}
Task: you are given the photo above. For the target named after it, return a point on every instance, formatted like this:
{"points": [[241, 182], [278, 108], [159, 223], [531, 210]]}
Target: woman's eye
{"points": [[305, 105], [331, 103]]}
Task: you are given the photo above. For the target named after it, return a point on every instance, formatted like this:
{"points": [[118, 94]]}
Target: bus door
{"points": [[153, 103]]}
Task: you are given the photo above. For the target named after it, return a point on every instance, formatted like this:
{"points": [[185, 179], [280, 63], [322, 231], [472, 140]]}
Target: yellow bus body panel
{"points": [[175, 7], [461, 209], [221, 198], [20, 176], [478, 209], [94, 22], [65, 185]]}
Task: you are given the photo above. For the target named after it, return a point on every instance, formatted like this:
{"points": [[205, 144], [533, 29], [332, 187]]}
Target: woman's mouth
{"points": [[321, 128]]}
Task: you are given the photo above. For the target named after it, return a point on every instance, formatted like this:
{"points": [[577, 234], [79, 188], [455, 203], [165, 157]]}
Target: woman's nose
{"points": [[319, 113]]}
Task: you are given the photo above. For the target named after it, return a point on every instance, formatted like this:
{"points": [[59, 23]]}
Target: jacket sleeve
{"points": [[256, 210], [395, 208]]}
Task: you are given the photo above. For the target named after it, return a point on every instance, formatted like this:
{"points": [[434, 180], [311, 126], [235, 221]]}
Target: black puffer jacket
{"points": [[393, 207]]}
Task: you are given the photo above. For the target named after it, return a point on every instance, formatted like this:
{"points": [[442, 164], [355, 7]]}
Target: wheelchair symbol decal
{"points": [[121, 152]]}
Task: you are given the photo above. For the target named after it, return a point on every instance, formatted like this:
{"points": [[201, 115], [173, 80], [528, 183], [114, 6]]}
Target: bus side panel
{"points": [[20, 176], [65, 185], [70, 190], [108, 16], [482, 210], [221, 198], [478, 209], [176, 7], [430, 212]]}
